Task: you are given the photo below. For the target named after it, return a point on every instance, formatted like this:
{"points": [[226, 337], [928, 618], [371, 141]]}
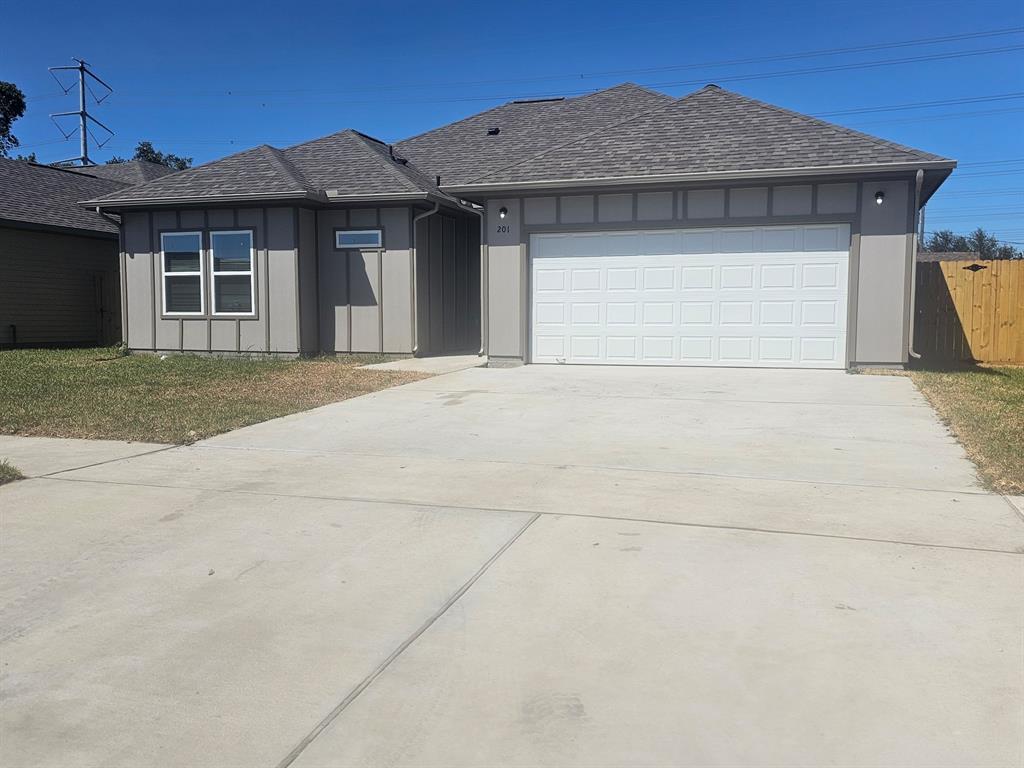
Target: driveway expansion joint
{"points": [[331, 716], [513, 510]]}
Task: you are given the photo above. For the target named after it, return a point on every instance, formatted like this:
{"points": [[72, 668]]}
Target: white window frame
{"points": [[251, 273], [164, 274], [338, 246]]}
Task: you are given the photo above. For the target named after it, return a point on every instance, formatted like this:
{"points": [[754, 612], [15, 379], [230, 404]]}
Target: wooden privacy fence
{"points": [[970, 311]]}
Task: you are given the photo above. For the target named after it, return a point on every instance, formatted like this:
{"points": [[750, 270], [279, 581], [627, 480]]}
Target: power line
{"points": [[845, 67], [936, 118], [590, 75], [923, 104], [812, 54]]}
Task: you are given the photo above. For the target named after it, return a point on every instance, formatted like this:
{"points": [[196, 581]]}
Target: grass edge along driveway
{"points": [[984, 408], [103, 394]]}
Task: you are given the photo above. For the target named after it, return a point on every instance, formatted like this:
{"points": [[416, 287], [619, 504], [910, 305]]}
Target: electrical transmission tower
{"points": [[83, 114]]}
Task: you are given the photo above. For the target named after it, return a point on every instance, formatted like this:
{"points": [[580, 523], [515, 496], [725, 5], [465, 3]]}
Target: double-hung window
{"points": [[232, 289], [182, 268]]}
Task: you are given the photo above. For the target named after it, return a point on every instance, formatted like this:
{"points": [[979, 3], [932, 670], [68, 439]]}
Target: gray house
{"points": [[59, 275], [621, 227]]}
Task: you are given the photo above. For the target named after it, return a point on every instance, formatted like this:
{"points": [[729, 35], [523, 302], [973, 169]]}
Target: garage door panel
{"points": [[757, 298]]}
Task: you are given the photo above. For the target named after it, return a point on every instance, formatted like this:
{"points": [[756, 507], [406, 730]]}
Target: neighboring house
{"points": [[59, 275], [622, 227]]}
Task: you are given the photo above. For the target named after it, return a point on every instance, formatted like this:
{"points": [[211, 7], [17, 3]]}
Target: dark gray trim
{"points": [[266, 263], [256, 199], [298, 294], [156, 309], [742, 177]]}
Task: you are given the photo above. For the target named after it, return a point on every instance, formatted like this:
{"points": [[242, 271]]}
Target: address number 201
{"points": [[503, 229]]}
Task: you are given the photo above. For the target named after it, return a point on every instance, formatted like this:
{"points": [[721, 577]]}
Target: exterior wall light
{"points": [[502, 212], [879, 197]]}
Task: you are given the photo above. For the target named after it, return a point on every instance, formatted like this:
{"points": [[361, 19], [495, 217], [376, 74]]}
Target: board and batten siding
{"points": [[275, 326], [58, 289], [366, 296], [880, 252], [310, 297]]}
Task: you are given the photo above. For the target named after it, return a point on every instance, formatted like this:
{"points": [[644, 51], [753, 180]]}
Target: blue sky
{"points": [[209, 79]]}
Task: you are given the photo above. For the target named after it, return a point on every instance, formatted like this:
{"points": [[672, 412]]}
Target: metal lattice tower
{"points": [[82, 112]]}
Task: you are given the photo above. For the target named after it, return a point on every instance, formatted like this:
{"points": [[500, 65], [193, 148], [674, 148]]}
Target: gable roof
{"points": [[464, 150], [128, 173], [706, 132], [44, 196], [344, 164]]}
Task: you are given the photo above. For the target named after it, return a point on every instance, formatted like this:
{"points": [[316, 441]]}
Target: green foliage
{"points": [[979, 241], [8, 472], [144, 150], [12, 106]]}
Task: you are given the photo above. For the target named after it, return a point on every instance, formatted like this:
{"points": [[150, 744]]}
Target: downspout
{"points": [[415, 275], [918, 182], [483, 281]]}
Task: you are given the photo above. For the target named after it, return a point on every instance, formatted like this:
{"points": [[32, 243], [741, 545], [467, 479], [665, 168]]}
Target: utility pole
{"points": [[83, 114]]}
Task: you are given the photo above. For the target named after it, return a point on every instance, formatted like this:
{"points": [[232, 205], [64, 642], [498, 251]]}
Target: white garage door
{"points": [[752, 296]]}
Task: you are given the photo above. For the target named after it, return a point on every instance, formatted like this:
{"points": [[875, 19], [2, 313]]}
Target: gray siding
{"points": [[53, 287], [879, 263], [275, 326], [366, 296], [309, 321], [448, 284]]}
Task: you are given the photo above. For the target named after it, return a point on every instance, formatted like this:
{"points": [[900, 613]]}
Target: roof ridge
{"points": [[834, 126], [362, 138], [582, 136], [318, 138], [284, 165]]}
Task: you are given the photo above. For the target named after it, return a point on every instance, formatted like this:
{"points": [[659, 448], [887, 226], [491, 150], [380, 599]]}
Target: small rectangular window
{"points": [[231, 260], [357, 238], [181, 262]]}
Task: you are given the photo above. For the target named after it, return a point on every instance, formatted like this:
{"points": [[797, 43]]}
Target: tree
{"points": [[12, 106], [144, 151], [987, 246]]}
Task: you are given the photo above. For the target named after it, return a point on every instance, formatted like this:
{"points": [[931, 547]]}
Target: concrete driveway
{"points": [[538, 566]]}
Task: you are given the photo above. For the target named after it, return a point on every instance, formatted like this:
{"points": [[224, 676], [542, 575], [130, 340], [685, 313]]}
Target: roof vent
{"points": [[493, 131]]}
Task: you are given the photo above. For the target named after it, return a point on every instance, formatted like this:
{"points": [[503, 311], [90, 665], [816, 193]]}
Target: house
{"points": [[620, 227], [60, 284]]}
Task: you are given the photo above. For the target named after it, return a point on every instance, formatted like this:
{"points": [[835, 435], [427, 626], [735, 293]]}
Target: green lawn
{"points": [[100, 393], [984, 406]]}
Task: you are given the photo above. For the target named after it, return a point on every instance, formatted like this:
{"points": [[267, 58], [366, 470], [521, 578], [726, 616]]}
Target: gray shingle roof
{"points": [[46, 196], [711, 130], [128, 173], [462, 151], [356, 164], [348, 162]]}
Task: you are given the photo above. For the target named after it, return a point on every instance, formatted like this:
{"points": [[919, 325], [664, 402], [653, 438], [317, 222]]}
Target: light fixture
{"points": [[502, 212], [879, 197]]}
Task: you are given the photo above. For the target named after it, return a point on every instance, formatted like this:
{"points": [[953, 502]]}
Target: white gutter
{"points": [[761, 173], [918, 182]]}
